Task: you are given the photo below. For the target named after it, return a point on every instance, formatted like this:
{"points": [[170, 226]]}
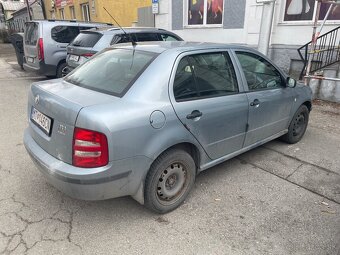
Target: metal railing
{"points": [[326, 52]]}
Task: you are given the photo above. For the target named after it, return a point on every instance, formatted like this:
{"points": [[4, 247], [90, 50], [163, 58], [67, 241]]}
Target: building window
{"points": [[52, 14], [73, 13], [305, 10], [62, 15], [205, 12], [85, 9]]}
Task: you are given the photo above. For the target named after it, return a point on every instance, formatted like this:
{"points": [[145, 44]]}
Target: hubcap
{"points": [[171, 182], [299, 124]]}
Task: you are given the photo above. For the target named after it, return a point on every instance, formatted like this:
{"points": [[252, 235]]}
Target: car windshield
{"points": [[111, 71]]}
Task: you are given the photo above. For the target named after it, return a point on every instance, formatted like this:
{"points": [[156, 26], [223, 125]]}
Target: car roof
{"points": [[70, 22], [179, 46], [114, 30]]}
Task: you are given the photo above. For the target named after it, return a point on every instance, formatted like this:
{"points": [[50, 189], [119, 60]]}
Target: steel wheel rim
{"points": [[299, 124], [171, 183]]}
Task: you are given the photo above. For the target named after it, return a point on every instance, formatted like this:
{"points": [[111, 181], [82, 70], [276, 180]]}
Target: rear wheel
{"points": [[298, 126], [169, 181], [60, 69]]}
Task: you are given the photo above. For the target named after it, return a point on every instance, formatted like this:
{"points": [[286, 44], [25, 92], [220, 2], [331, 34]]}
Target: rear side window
{"points": [[170, 38], [112, 71], [31, 33], [146, 37], [86, 39], [64, 34], [205, 75], [123, 38]]}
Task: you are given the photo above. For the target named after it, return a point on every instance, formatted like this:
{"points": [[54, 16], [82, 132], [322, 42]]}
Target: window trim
{"points": [[87, 5], [73, 12], [224, 51], [62, 13], [244, 80], [204, 24]]}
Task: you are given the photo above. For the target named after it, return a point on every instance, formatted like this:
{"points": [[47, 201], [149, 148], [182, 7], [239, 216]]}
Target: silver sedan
{"points": [[144, 120]]}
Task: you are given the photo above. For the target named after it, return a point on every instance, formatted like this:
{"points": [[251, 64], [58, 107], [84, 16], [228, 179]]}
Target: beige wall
{"points": [[124, 11]]}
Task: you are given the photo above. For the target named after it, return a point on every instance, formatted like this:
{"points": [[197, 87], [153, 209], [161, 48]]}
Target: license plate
{"points": [[30, 60], [74, 58], [41, 120]]}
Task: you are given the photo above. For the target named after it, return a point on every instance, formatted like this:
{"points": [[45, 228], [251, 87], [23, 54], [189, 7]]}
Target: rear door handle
{"points": [[194, 114], [256, 102]]}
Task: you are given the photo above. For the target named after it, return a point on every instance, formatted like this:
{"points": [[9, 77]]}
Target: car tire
{"points": [[169, 181], [298, 126], [60, 69]]}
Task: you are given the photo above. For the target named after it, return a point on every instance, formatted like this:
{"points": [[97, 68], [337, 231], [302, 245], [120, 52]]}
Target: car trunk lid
{"points": [[81, 48], [60, 102]]}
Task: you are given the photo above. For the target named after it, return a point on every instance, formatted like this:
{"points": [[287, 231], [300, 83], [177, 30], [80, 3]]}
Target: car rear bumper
{"points": [[118, 178], [43, 69]]}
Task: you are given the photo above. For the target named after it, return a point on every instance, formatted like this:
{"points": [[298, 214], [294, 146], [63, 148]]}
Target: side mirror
{"points": [[291, 83]]}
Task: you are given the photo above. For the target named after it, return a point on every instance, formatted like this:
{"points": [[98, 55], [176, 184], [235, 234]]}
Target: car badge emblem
{"points": [[36, 99]]}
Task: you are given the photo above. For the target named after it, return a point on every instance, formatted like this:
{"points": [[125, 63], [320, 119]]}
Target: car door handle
{"points": [[256, 102], [194, 114]]}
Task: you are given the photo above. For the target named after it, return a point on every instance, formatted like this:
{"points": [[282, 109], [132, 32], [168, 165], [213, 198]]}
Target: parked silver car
{"points": [[89, 42], [45, 44], [145, 120]]}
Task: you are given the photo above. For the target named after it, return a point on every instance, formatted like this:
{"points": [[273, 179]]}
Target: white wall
{"points": [[282, 33]]}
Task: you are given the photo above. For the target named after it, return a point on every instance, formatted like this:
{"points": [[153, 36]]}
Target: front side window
{"points": [[205, 75], [147, 37], [305, 10], [259, 73], [112, 71], [64, 34], [205, 12]]}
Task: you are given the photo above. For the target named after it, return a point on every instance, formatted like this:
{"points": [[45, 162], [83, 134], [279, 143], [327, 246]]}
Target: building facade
{"points": [[124, 11], [239, 21]]}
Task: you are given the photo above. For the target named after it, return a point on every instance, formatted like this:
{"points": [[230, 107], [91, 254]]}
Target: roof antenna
{"points": [[132, 41]]}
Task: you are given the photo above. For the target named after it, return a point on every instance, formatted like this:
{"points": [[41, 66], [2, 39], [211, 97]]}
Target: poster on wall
{"points": [[297, 10], [197, 9], [303, 10], [214, 11], [196, 12]]}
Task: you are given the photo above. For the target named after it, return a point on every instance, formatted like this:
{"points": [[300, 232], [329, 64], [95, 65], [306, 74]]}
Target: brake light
{"points": [[87, 55], [90, 148], [40, 49]]}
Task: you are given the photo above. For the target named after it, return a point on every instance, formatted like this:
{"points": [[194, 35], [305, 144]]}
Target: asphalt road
{"points": [[276, 199]]}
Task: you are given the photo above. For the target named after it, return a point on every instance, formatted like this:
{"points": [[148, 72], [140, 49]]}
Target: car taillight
{"points": [[87, 55], [41, 49], [90, 148]]}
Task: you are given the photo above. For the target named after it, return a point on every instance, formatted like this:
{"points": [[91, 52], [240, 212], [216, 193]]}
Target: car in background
{"points": [[144, 120], [89, 42], [45, 44]]}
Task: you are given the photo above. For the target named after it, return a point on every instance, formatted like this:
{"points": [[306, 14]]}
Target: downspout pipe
{"points": [[266, 26]]}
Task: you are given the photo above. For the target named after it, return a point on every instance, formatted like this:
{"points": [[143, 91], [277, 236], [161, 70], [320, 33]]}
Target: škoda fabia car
{"points": [[143, 120]]}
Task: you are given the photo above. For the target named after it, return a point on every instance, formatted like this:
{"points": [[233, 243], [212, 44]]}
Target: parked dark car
{"points": [[89, 42]]}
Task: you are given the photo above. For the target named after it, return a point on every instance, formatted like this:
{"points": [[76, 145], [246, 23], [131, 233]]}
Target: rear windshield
{"points": [[31, 33], [112, 71], [86, 39]]}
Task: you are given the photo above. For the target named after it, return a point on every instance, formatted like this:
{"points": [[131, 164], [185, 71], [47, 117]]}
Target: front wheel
{"points": [[169, 181], [298, 125]]}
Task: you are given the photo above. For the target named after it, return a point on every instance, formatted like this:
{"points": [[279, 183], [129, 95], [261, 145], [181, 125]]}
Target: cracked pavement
{"points": [[276, 199]]}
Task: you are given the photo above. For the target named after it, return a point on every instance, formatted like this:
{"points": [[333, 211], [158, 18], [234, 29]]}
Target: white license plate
{"points": [[74, 58], [30, 60], [41, 120]]}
